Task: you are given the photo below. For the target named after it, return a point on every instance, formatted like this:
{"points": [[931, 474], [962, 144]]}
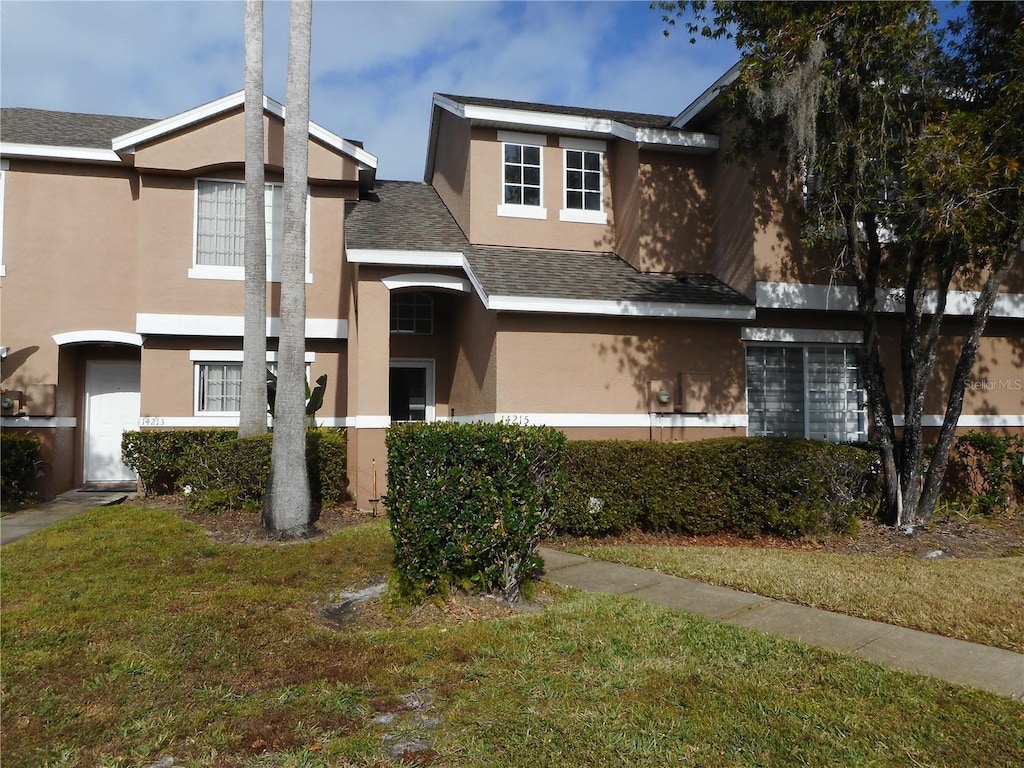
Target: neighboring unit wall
{"points": [[451, 177]]}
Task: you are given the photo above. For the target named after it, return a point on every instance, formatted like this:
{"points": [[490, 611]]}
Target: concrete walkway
{"points": [[26, 521], [957, 661]]}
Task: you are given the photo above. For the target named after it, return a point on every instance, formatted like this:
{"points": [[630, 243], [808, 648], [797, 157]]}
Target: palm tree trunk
{"points": [[287, 507], [253, 410]]}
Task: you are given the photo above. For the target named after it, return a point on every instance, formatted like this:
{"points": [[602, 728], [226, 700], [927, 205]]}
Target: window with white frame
{"points": [[220, 230], [810, 391], [583, 194], [412, 313], [218, 379], [522, 174], [219, 387]]}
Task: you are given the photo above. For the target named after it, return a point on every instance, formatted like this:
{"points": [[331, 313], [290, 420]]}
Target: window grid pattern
{"points": [[412, 313], [583, 180], [522, 175], [812, 392], [220, 387], [220, 223]]}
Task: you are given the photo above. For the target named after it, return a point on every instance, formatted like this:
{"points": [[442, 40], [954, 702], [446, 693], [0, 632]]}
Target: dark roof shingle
{"points": [[21, 125], [411, 216]]}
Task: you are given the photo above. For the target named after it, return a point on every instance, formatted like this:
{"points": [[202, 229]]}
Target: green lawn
{"points": [[981, 600], [127, 635]]}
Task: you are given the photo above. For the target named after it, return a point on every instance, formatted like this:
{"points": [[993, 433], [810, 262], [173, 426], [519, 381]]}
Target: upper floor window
{"points": [[584, 180], [220, 230], [412, 313], [522, 175]]}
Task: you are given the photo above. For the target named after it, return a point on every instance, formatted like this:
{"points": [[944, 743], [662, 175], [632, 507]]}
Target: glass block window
{"points": [[812, 392], [583, 180], [522, 174], [412, 313]]}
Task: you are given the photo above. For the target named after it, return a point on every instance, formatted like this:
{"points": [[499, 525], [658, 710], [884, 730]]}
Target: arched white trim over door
{"points": [[98, 337], [427, 280]]}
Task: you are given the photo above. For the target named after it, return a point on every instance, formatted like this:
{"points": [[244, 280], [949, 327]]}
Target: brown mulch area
{"points": [[952, 535]]}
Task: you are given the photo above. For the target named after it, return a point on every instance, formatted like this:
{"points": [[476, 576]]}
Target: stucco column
{"points": [[368, 371]]}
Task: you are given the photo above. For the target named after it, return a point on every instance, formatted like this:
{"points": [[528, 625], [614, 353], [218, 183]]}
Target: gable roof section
{"points": [[407, 223], [79, 136], [128, 141]]}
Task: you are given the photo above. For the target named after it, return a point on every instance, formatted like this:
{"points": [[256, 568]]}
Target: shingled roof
{"points": [[410, 216], [405, 216], [634, 119], [21, 125]]}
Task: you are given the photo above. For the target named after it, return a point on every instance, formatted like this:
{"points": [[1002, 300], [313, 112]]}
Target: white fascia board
{"points": [[801, 336], [611, 420], [427, 280], [360, 155], [843, 298], [231, 325], [709, 95], [625, 308], [98, 337], [397, 258], [44, 152], [176, 122], [555, 122]]}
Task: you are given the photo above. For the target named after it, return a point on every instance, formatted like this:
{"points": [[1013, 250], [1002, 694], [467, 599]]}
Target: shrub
{"points": [[744, 485], [233, 474], [986, 470], [162, 458], [19, 460], [469, 503]]}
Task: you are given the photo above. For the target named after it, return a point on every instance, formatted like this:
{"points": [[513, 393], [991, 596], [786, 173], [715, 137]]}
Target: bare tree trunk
{"points": [[287, 507], [253, 410], [954, 407]]}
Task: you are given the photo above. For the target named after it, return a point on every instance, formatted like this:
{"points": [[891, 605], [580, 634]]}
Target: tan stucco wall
{"points": [[488, 228], [451, 176], [220, 141], [69, 245], [605, 365], [474, 377]]}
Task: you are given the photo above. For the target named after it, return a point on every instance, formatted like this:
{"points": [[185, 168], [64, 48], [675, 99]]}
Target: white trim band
{"points": [[231, 325], [44, 152], [801, 336], [613, 420], [232, 356], [97, 337], [39, 422], [622, 308], [968, 421], [427, 280], [843, 298], [396, 258]]}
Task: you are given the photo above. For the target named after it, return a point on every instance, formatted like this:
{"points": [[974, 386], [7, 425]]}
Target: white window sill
{"points": [[583, 217], [209, 272], [522, 211]]}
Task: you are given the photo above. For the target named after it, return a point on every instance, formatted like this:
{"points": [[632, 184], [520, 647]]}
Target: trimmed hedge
{"points": [[220, 471], [743, 485], [469, 503], [162, 458], [19, 457]]}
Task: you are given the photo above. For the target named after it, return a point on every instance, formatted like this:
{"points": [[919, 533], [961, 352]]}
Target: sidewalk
{"points": [[956, 661], [26, 521]]}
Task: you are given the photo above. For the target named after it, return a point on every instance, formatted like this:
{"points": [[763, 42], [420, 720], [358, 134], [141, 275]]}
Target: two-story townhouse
{"points": [[607, 273], [122, 278], [613, 275]]}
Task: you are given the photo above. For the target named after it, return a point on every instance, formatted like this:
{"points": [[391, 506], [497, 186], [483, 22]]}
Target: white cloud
{"points": [[375, 64]]}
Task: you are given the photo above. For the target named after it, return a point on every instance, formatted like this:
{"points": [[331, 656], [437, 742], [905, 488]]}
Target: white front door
{"points": [[111, 406]]}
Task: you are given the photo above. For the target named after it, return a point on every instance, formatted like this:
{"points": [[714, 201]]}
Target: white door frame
{"points": [[128, 406], [427, 364]]}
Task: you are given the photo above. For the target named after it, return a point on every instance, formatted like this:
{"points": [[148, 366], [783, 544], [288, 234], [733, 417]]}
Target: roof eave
{"points": [[707, 98], [48, 152]]}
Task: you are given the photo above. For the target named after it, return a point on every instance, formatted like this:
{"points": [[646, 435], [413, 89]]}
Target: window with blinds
{"points": [[220, 387], [805, 391], [220, 223]]}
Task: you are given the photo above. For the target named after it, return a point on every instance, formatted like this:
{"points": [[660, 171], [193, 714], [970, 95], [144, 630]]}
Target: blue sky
{"points": [[375, 64]]}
